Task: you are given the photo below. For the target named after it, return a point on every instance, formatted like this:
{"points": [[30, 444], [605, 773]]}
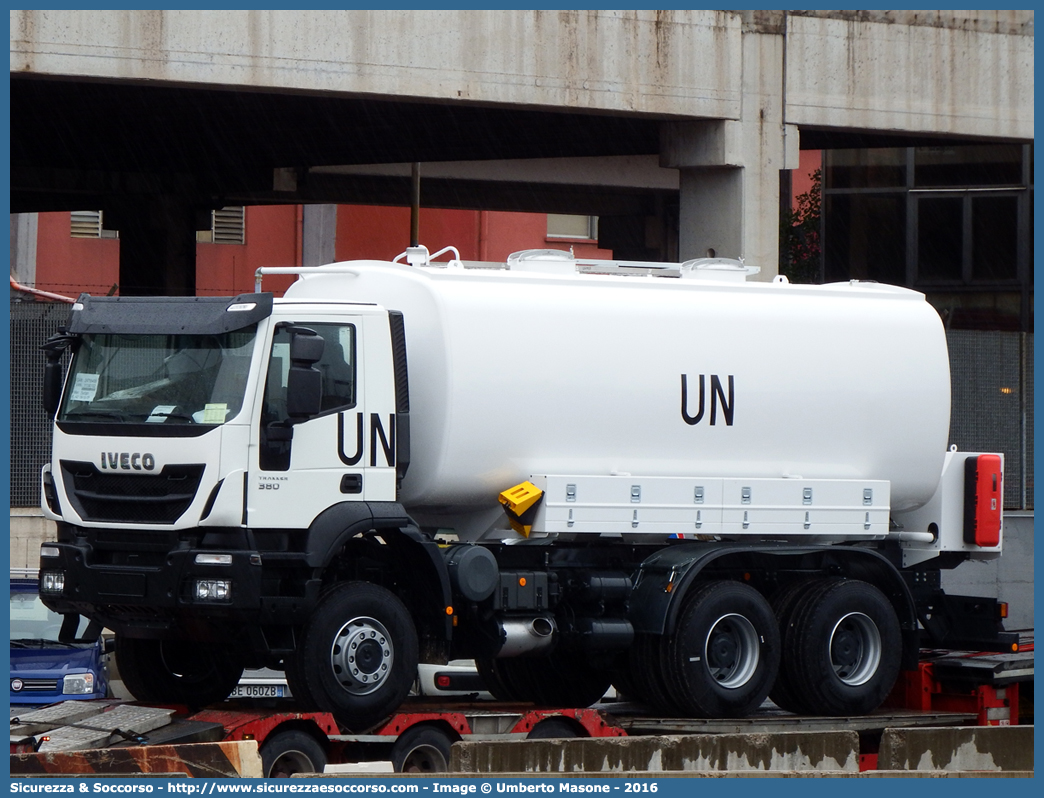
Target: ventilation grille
{"points": [[131, 498]]}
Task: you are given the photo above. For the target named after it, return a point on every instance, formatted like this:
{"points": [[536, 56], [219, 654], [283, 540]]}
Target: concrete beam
{"points": [[619, 171], [674, 63], [942, 72], [787, 751], [981, 748]]}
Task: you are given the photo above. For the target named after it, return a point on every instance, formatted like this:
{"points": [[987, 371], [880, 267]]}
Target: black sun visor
{"points": [[139, 315]]}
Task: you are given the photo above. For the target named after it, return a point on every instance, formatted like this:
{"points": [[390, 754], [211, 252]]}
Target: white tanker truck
{"points": [[704, 490]]}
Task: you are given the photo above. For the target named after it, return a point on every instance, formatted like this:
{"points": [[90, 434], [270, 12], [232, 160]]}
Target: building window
{"points": [[954, 222], [89, 224], [227, 226], [561, 225]]}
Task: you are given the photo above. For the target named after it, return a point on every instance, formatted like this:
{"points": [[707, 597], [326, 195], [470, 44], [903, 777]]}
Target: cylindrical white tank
{"points": [[513, 373]]}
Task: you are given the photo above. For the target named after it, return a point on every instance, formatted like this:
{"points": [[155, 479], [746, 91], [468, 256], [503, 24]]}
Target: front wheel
{"points": [[173, 671], [723, 658], [359, 654]]}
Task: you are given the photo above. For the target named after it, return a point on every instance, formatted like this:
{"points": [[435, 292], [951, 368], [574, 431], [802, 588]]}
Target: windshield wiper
{"points": [[77, 415], [39, 642], [179, 416]]}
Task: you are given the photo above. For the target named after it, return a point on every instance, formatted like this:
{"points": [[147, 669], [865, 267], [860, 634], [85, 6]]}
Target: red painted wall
{"points": [[801, 179], [272, 239], [69, 266]]}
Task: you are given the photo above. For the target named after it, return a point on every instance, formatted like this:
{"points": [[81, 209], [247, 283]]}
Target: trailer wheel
{"points": [[422, 749], [844, 648], [552, 728], [287, 753], [175, 672], [359, 654], [723, 658]]}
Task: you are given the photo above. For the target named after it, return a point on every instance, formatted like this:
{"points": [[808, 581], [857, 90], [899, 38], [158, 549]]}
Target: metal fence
{"points": [[31, 324], [991, 376], [992, 408]]}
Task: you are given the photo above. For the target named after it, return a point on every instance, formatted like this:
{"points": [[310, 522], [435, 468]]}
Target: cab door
{"points": [[303, 467]]}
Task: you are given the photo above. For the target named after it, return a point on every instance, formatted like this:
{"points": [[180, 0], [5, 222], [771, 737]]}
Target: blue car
{"points": [[44, 670]]}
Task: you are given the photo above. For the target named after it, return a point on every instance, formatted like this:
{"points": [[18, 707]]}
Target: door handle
{"points": [[351, 483]]}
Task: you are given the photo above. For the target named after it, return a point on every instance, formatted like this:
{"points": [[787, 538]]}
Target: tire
{"points": [[650, 682], [844, 648], [303, 698], [562, 679], [783, 693], [422, 749], [173, 671], [624, 680], [494, 681], [724, 655], [554, 728], [287, 753], [359, 654]]}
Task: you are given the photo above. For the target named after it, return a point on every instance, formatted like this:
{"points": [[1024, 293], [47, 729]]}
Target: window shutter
{"points": [[229, 225]]}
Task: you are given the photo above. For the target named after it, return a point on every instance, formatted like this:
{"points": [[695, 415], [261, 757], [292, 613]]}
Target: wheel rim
{"points": [[290, 763], [855, 649], [425, 759], [362, 655], [732, 650]]}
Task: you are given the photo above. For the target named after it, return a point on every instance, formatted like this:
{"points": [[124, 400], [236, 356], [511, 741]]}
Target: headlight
{"points": [[204, 558], [52, 581], [213, 589], [78, 684]]}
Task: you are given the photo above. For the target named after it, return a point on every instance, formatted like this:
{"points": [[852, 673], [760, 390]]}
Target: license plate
{"points": [[257, 691]]}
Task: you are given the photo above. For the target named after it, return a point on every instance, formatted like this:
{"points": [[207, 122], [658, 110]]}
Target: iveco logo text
{"points": [[128, 461]]}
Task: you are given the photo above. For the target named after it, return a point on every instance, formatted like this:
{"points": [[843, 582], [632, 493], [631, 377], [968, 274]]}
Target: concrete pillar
{"points": [[729, 169], [319, 235], [24, 233]]}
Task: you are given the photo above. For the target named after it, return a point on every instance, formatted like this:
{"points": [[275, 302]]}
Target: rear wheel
{"points": [[783, 693], [289, 753], [723, 658], [359, 654], [650, 677], [562, 679], [844, 648], [174, 671], [494, 680], [422, 749]]}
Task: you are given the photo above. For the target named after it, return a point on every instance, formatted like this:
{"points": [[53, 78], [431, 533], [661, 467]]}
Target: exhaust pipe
{"points": [[526, 636]]}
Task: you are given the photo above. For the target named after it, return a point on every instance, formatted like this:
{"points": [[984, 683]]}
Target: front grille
{"points": [[37, 686], [131, 498]]}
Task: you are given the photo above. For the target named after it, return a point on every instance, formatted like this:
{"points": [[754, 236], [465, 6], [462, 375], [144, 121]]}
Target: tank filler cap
{"points": [[548, 261], [717, 270]]}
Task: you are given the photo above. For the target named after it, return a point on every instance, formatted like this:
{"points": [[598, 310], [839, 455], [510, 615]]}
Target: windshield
{"points": [[158, 379], [31, 620]]}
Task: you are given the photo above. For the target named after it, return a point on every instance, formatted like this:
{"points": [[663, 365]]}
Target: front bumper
{"points": [[161, 595]]}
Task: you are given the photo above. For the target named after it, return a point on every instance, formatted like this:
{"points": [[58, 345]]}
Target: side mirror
{"points": [[52, 379], [52, 385]]}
